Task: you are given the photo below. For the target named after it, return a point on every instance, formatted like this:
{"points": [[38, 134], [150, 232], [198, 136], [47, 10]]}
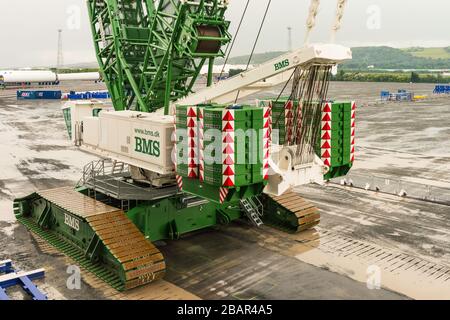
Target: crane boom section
{"points": [[269, 74]]}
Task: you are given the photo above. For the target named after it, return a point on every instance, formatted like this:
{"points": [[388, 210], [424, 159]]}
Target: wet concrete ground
{"points": [[239, 262], [403, 140]]}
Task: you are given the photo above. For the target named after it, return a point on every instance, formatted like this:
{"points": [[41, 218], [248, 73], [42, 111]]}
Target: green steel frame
{"points": [[47, 221], [169, 218], [148, 50]]}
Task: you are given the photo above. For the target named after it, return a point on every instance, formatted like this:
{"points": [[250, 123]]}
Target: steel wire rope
{"points": [[256, 42], [231, 46]]}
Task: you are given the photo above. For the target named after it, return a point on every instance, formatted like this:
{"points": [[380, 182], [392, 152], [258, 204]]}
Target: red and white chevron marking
{"points": [[179, 182], [192, 142], [175, 141], [228, 156], [201, 144], [270, 106], [326, 134], [353, 133], [223, 194], [267, 130], [289, 115]]}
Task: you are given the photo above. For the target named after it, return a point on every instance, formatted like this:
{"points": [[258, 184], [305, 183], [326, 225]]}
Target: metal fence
{"points": [[397, 187]]}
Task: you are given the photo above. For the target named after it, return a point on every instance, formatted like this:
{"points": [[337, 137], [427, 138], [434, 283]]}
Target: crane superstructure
{"points": [[174, 161]]}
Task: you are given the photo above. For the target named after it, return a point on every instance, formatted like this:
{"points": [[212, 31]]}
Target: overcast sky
{"points": [[28, 34]]}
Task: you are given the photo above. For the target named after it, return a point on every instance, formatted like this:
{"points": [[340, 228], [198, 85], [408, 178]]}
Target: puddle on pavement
{"points": [[372, 264], [6, 212]]}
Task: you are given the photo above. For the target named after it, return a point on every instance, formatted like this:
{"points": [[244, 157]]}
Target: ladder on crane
{"points": [[254, 210]]}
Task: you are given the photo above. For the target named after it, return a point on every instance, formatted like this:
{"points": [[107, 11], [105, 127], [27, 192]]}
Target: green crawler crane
{"points": [[150, 55]]}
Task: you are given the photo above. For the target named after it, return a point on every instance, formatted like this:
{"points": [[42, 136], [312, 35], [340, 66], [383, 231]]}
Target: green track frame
{"points": [[169, 218], [67, 248], [39, 216]]}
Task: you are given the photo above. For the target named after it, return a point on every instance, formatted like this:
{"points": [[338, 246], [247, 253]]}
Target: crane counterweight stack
{"points": [[205, 160]]}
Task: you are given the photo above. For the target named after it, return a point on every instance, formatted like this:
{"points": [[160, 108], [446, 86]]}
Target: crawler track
{"points": [[290, 212], [103, 239]]}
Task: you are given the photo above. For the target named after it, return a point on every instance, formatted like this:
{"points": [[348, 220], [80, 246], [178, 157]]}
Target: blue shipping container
{"points": [[441, 89], [88, 95], [35, 95]]}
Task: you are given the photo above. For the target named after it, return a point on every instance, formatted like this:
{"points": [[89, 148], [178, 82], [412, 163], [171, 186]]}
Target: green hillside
{"points": [[391, 58], [433, 53]]}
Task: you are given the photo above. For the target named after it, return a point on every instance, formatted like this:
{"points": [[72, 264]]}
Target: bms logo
{"points": [[72, 222], [150, 147], [281, 65]]}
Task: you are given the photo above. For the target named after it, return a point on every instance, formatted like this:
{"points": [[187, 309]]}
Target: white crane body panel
{"points": [[139, 139]]}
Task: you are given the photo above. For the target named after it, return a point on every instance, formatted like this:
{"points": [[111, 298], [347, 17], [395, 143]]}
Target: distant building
{"points": [[371, 67]]}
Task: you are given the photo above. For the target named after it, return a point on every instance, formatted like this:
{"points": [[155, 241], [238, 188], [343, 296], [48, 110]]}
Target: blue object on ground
{"points": [[6, 266], [36, 95], [11, 278], [401, 95], [442, 89], [88, 95]]}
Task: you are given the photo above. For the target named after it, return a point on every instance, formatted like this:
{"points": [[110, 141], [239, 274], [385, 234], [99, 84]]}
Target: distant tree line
{"points": [[76, 70], [404, 77], [234, 72]]}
